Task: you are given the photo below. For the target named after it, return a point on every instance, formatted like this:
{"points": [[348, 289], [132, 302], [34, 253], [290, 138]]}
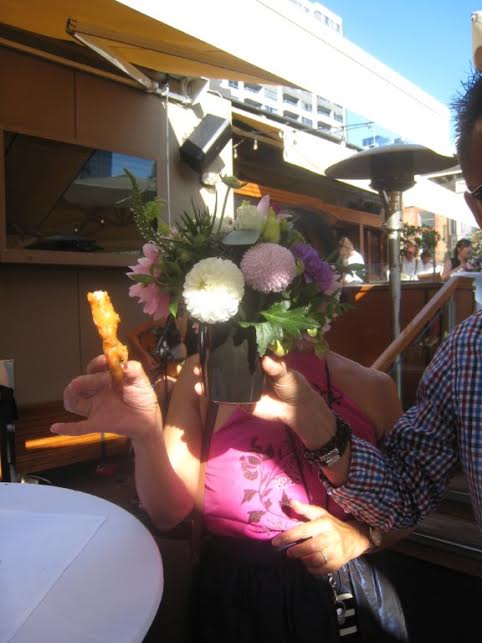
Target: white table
{"points": [[108, 577]]}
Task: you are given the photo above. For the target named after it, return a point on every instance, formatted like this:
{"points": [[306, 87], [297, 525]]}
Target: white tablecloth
{"points": [[74, 568]]}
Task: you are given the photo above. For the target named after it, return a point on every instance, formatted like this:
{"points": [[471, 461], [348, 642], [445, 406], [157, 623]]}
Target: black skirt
{"points": [[246, 592]]}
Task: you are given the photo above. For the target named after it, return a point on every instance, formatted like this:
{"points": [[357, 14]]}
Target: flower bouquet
{"points": [[474, 264], [253, 284]]}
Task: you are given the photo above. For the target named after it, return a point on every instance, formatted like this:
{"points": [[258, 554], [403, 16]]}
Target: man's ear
{"points": [[475, 207]]}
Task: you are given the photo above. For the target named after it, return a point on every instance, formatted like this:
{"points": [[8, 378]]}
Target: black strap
{"points": [[328, 385], [206, 435]]}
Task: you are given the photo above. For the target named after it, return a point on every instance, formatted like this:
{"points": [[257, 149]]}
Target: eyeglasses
{"points": [[476, 193]]}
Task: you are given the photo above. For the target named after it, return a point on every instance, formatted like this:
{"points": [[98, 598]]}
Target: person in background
{"points": [[410, 262], [459, 261], [349, 257], [161, 346], [426, 267]]}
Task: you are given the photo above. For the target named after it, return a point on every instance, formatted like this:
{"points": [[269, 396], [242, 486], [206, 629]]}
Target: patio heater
{"points": [[391, 170]]}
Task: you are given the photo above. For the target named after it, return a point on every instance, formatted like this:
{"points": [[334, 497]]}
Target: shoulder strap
{"points": [[207, 433], [328, 385]]}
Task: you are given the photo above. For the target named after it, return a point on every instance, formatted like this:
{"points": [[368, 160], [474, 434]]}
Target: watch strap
{"points": [[331, 452]]}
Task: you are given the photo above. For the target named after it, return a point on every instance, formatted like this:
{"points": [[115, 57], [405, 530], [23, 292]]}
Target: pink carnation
{"points": [[143, 265], [268, 267], [151, 252], [156, 302]]}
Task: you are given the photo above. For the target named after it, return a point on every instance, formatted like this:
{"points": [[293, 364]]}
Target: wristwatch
{"points": [[375, 536], [330, 453]]}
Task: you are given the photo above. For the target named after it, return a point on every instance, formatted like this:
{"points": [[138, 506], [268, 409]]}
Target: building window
{"points": [[308, 107], [321, 109], [324, 127], [291, 115], [271, 110], [252, 87], [233, 83], [338, 117], [271, 93], [290, 100], [253, 103], [307, 121], [427, 219]]}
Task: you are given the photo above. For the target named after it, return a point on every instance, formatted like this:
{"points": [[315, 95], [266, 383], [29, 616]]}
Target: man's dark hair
{"points": [[467, 106]]}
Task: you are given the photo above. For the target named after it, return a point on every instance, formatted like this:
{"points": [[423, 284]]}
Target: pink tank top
{"points": [[255, 465]]}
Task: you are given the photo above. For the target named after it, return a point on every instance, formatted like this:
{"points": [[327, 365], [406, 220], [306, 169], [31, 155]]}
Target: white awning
{"points": [[432, 197], [318, 60], [316, 154], [258, 40]]}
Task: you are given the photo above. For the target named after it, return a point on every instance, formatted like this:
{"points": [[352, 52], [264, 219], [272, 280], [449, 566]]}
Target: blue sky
{"points": [[427, 41]]}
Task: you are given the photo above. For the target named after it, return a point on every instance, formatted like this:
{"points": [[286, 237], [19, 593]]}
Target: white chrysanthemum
{"points": [[213, 289]]}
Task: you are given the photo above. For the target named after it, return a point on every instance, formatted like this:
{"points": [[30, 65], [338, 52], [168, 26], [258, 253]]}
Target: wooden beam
{"points": [[255, 190]]}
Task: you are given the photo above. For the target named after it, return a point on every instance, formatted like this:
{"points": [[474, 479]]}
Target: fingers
{"points": [[311, 551], [74, 428], [311, 512], [274, 368], [87, 385], [305, 532], [302, 531], [97, 365], [132, 370]]}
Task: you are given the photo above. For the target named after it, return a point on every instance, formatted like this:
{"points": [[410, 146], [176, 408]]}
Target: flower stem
{"points": [[225, 202]]}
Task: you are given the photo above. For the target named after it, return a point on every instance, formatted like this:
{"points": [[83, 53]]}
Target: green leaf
{"points": [[141, 279], [293, 321], [174, 303], [241, 237], [266, 334]]}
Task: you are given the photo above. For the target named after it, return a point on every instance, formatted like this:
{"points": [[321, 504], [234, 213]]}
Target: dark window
{"points": [[55, 191]]}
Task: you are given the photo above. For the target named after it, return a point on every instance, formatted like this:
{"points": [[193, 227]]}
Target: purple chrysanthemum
{"points": [[268, 267], [315, 269]]}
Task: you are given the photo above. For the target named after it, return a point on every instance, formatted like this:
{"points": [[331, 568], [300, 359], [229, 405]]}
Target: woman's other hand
{"points": [[130, 409], [291, 399], [328, 543]]}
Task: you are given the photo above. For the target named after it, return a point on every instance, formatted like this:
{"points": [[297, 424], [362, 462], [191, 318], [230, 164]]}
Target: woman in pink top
{"points": [[277, 551]]}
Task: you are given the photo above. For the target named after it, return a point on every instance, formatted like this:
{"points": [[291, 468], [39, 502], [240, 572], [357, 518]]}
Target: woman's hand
{"points": [[330, 543], [291, 399], [130, 409]]}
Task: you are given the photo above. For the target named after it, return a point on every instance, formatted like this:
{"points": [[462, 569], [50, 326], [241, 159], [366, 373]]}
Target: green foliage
{"points": [[147, 216], [283, 325], [476, 240], [192, 239], [424, 237]]}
